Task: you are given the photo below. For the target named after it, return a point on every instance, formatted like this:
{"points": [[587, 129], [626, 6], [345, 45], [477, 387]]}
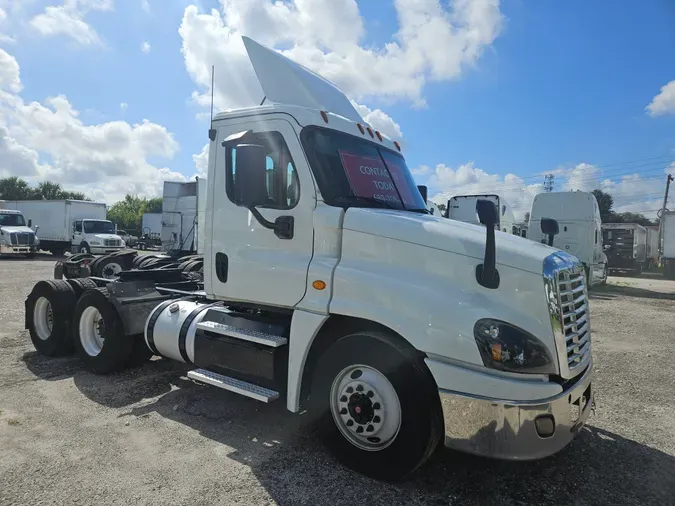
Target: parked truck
{"points": [[578, 217], [625, 245], [329, 285], [652, 247], [16, 236], [668, 245], [463, 208], [70, 225]]}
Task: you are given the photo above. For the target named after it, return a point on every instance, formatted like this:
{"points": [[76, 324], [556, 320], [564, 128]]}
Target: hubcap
{"points": [[43, 318], [111, 270], [83, 249], [91, 329], [365, 407]]}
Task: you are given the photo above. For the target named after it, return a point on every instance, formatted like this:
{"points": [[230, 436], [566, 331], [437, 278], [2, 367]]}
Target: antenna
{"points": [[212, 131]]}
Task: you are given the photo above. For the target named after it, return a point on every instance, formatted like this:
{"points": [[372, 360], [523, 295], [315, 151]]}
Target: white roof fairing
{"points": [[286, 82]]}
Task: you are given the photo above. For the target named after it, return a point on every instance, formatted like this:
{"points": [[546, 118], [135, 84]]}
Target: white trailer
{"points": [[463, 208], [668, 245], [327, 283], [179, 216], [652, 247], [151, 223], [580, 228], [70, 225]]}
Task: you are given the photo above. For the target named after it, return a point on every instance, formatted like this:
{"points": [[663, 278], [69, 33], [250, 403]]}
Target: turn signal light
{"points": [[319, 285]]}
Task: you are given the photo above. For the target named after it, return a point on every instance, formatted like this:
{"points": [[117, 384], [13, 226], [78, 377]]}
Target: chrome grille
{"points": [[111, 242], [22, 238], [568, 307]]}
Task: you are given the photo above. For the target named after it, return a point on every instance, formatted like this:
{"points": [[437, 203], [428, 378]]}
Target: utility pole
{"points": [[548, 182], [669, 178]]}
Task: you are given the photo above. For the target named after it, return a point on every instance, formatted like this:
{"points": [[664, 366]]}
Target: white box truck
{"points": [[463, 208], [179, 216], [668, 245], [625, 245], [328, 284], [70, 225], [652, 247], [580, 229]]}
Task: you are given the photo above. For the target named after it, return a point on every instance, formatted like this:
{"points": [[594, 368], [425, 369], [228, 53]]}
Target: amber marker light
{"points": [[319, 285]]}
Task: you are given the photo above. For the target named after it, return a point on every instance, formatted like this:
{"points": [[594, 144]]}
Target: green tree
{"points": [[50, 191], [13, 188], [527, 217], [153, 205], [628, 217], [605, 204]]}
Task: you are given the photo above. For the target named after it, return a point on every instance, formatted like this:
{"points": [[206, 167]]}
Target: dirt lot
{"points": [[150, 436]]}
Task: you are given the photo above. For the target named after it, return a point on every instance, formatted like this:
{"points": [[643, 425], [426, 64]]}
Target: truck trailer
{"points": [[625, 245], [668, 244], [329, 286], [70, 225], [463, 208]]}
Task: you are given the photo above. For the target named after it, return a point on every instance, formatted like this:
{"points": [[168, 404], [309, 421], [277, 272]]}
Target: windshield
{"points": [[12, 220], [98, 227], [359, 172]]}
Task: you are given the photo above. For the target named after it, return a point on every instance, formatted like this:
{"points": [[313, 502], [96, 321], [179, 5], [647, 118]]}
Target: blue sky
{"points": [[551, 87]]}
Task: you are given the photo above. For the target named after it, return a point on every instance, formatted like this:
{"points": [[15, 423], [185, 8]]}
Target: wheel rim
{"points": [[43, 318], [111, 270], [91, 331], [84, 249], [365, 407]]}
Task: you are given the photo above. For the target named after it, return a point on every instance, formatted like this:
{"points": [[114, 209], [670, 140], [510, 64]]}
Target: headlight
{"points": [[123, 243], [36, 241], [508, 348], [95, 243]]}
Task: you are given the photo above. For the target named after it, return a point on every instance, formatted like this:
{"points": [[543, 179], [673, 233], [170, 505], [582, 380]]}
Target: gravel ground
{"points": [[150, 436]]}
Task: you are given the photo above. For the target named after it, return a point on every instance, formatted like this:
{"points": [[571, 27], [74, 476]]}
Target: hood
{"points": [[448, 235], [107, 236], [7, 230]]}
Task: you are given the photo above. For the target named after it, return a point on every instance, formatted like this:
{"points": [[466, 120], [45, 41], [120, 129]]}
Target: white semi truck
{"points": [[16, 236], [329, 285], [70, 225], [463, 208], [668, 245], [625, 245], [578, 217]]}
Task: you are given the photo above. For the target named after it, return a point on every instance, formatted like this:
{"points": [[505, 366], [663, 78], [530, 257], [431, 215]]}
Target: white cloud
{"points": [[202, 161], [380, 121], [631, 192], [432, 43], [104, 160], [124, 106], [664, 102], [68, 20], [145, 5], [145, 47]]}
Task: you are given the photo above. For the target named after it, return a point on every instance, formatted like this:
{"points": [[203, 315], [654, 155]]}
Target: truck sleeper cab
{"points": [[329, 285]]}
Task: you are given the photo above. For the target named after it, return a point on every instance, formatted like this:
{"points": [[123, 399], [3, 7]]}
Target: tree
{"points": [[527, 217], [128, 213], [605, 204], [13, 188], [442, 208], [153, 205], [50, 191], [628, 217]]}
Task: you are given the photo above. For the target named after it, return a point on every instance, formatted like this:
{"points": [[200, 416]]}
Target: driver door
{"points": [[77, 233], [249, 261]]}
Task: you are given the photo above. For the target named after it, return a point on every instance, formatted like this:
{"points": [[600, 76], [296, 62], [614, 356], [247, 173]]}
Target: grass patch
{"points": [[13, 421]]}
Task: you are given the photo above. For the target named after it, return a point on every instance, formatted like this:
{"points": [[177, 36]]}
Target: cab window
{"points": [[78, 226]]}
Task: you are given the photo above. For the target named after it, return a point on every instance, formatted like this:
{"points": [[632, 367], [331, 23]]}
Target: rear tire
{"points": [[99, 335], [81, 285], [404, 392], [108, 267], [49, 309]]}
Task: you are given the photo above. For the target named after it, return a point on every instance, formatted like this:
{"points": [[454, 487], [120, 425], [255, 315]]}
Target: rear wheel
{"points": [[99, 335], [109, 267], [376, 405], [49, 308]]}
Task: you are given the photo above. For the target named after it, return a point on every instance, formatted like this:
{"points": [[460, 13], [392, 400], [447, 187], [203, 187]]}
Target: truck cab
{"points": [[328, 284], [580, 229], [463, 208], [16, 237], [95, 236]]}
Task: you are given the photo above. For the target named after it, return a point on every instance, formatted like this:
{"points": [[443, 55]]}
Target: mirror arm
{"points": [[282, 226], [486, 273], [261, 219]]}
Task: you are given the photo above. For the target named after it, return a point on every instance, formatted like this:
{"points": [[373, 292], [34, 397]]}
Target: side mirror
{"points": [[550, 228], [30, 223], [250, 178], [486, 273], [423, 191], [487, 212]]}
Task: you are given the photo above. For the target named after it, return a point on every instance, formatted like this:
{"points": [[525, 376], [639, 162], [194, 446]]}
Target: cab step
{"points": [[234, 385], [253, 336]]}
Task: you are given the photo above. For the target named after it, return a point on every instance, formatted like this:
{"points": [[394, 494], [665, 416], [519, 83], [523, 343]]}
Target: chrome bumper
{"points": [[15, 250], [513, 430]]}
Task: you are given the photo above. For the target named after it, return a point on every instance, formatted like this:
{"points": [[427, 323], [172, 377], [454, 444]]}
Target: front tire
{"points": [[376, 405], [84, 248]]}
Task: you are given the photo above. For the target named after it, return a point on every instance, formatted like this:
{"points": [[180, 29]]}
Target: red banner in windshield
{"points": [[369, 178]]}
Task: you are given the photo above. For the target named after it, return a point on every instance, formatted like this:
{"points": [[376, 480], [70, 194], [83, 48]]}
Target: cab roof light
{"points": [[324, 116], [379, 135], [361, 128], [370, 132], [398, 146]]}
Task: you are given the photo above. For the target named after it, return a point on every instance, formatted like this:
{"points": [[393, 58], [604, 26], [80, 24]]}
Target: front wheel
{"points": [[376, 405], [84, 248]]}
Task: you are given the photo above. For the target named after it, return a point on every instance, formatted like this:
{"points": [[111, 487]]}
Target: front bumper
{"points": [[104, 250], [512, 430], [23, 249]]}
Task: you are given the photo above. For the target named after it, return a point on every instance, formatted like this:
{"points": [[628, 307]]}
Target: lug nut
{"points": [[359, 388]]}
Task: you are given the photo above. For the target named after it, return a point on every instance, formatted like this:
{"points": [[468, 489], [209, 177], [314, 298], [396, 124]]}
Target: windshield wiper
{"points": [[371, 200], [421, 210]]}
